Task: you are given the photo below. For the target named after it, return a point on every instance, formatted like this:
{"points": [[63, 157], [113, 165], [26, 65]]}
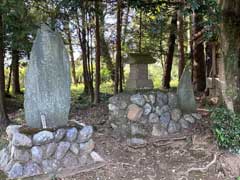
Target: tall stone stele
{"points": [[185, 94], [47, 82], [138, 77]]}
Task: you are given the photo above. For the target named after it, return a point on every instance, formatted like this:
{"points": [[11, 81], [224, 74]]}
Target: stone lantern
{"points": [[138, 77]]}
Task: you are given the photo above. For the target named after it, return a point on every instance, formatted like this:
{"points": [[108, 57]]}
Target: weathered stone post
{"points": [[185, 94], [47, 82], [138, 78]]}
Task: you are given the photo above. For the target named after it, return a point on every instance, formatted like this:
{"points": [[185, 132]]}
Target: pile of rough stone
{"points": [[150, 113], [47, 151]]}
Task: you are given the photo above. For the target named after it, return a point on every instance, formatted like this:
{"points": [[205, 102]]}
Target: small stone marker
{"points": [[138, 77], [186, 98], [47, 82]]}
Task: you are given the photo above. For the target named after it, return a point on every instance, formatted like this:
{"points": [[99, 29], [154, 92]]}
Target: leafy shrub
{"points": [[226, 127]]}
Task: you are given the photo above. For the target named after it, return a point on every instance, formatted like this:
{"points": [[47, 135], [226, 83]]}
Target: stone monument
{"points": [[47, 82], [138, 78], [62, 148], [186, 98]]}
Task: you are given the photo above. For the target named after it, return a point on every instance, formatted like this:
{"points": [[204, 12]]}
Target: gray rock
{"points": [[51, 149], [162, 110], [172, 100], [11, 130], [70, 160], [21, 140], [120, 101], [16, 171], [47, 82], [189, 118], [4, 158], [62, 149], [37, 154], [85, 134], [173, 127], [147, 108], [9, 166], [83, 160], [136, 129], [165, 119], [87, 147], [162, 99], [152, 99], [137, 99], [134, 112], [146, 98], [113, 108], [184, 124], [159, 131], [21, 155], [197, 116], [49, 166], [96, 157], [136, 141], [74, 148], [31, 169], [43, 137], [186, 98], [60, 134], [176, 114], [71, 134], [153, 118]]}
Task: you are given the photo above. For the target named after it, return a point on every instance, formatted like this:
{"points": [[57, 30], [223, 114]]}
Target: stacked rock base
{"points": [[148, 114], [47, 152]]}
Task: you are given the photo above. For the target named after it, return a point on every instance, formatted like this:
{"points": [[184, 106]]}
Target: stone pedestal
{"points": [[47, 152], [138, 78]]}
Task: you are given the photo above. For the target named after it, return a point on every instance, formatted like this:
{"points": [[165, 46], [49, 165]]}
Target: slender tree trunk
{"points": [[140, 31], [199, 71], [4, 121], [9, 79], [97, 72], [181, 64], [124, 41], [15, 72], [69, 37], [104, 45], [88, 86], [170, 53], [118, 48]]}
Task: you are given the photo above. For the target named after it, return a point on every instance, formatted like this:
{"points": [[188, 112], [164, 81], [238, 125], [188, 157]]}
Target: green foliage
{"points": [[226, 128]]}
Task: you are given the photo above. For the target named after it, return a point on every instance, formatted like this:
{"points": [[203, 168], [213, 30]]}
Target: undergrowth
{"points": [[226, 128]]}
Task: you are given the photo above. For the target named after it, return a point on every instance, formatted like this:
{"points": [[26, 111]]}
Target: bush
{"points": [[226, 128]]}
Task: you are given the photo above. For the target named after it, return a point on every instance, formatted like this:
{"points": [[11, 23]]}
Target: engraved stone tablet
{"points": [[47, 81]]}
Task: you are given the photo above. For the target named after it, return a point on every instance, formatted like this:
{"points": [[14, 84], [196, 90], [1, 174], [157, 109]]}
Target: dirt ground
{"points": [[193, 156]]}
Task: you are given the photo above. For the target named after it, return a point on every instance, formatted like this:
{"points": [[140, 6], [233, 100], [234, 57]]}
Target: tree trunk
{"points": [[124, 41], [9, 79], [104, 45], [170, 53], [229, 62], [88, 85], [199, 72], [15, 72], [4, 121], [68, 32], [97, 72], [181, 64], [118, 48]]}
